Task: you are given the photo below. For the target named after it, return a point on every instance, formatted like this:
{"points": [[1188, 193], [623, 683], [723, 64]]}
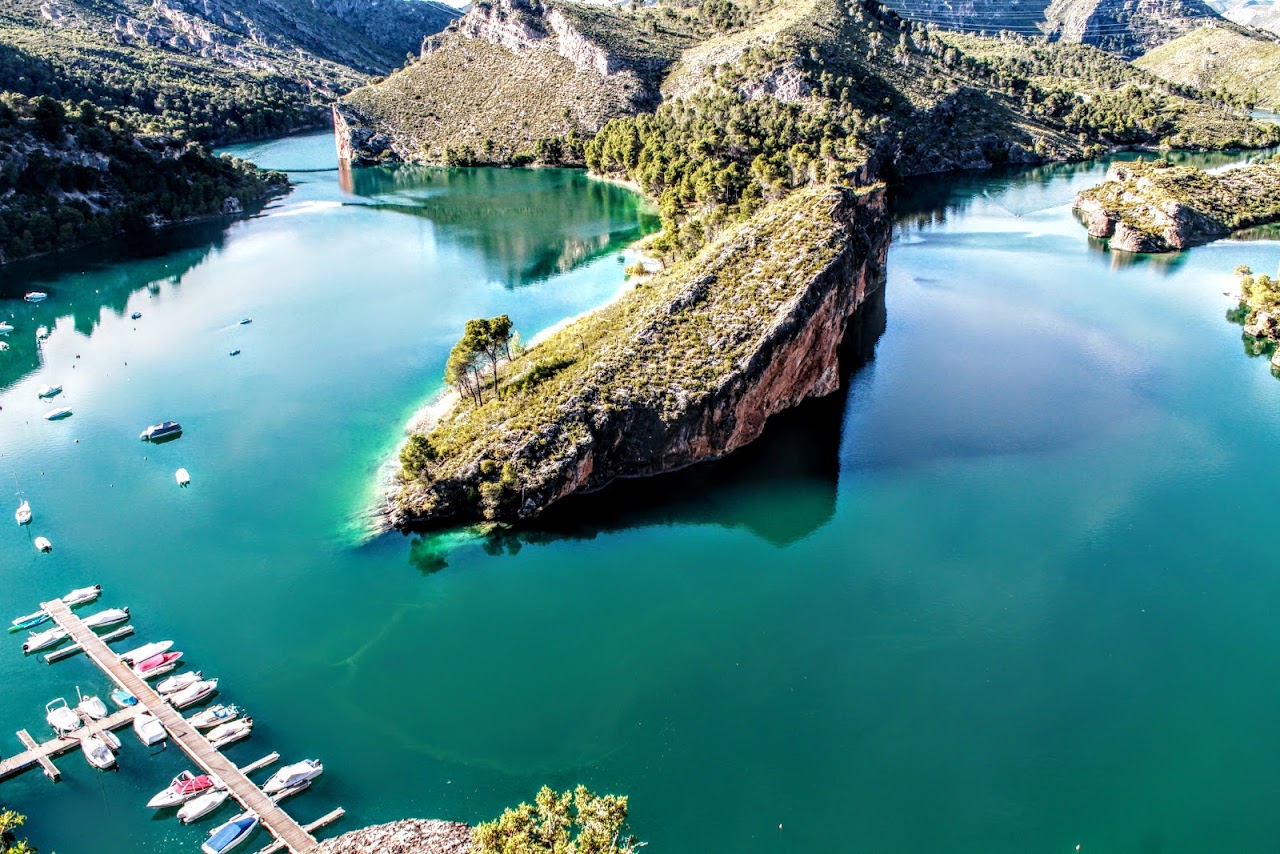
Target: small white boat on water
{"points": [[42, 544], [43, 640], [109, 617], [4, 345], [29, 621], [5, 327], [123, 698], [203, 805], [82, 595], [97, 751], [178, 681], [193, 693], [61, 717], [57, 414], [224, 734], [23, 513], [91, 706], [147, 650], [163, 430], [36, 296], [47, 391], [181, 789], [228, 835], [214, 716], [183, 477], [149, 729], [293, 775]]}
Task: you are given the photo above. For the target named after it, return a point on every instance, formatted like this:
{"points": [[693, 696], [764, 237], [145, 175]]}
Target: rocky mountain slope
{"points": [[1262, 14], [1158, 207], [1125, 27], [1243, 64]]}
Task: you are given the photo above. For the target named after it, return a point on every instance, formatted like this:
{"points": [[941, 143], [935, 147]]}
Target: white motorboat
{"points": [[43, 640], [214, 716], [229, 834], [163, 430], [203, 805], [230, 733], [4, 345], [5, 327], [178, 681], [291, 791], [97, 752], [293, 775], [149, 729], [23, 513], [109, 617], [81, 595], [183, 477], [58, 414], [91, 706], [147, 650], [181, 789], [123, 698], [61, 717], [42, 544], [36, 296], [47, 391], [194, 693]]}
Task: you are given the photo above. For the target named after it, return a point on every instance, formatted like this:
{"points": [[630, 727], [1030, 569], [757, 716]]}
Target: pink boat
{"points": [[152, 667], [183, 788]]}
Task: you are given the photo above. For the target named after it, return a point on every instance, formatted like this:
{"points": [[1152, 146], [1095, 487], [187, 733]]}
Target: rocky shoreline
{"points": [[410, 836]]}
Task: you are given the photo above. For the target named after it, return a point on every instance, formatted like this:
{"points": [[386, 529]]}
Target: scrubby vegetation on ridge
{"points": [[1226, 60]]}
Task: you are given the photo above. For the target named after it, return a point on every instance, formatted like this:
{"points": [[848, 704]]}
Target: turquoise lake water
{"points": [[1011, 593]]}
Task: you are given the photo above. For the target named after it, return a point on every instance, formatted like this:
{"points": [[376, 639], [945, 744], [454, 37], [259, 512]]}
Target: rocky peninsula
{"points": [[1155, 206]]}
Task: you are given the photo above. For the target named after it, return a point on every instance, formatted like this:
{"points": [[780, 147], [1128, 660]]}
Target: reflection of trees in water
{"points": [[105, 276], [526, 224], [781, 487]]}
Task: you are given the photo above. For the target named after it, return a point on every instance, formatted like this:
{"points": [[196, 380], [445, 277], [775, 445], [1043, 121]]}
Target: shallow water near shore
{"points": [[1010, 593]]}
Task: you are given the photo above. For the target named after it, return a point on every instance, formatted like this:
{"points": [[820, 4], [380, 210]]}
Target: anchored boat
{"points": [[214, 716], [43, 640], [203, 805], [47, 391], [147, 650], [98, 750], [226, 836], [225, 734], [61, 717], [91, 706], [293, 775], [36, 296], [29, 621], [157, 665], [123, 698], [182, 788], [193, 693], [178, 681], [42, 544], [109, 617], [82, 595], [163, 430], [149, 729], [58, 414], [23, 513]]}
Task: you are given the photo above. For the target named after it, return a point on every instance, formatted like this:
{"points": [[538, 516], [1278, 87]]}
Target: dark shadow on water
{"points": [[526, 224], [782, 487]]}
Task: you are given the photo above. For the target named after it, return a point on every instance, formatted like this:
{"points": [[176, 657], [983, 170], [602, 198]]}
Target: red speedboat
{"points": [[150, 668], [183, 788]]}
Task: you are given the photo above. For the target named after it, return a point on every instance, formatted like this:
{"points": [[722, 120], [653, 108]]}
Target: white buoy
{"points": [[182, 476]]}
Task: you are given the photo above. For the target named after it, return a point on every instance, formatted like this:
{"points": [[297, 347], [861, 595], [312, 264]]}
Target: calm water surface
{"points": [[1012, 593]]}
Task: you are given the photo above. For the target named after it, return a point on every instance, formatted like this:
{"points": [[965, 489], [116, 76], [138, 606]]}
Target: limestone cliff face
{"points": [[411, 836], [608, 429]]}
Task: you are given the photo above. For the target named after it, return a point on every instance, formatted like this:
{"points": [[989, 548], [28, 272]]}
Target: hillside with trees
{"points": [[1229, 61]]}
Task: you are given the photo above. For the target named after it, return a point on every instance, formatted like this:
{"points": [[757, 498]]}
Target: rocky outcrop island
{"points": [[1155, 206]]}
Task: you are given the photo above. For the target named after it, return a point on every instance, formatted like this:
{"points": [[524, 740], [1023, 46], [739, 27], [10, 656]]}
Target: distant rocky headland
{"points": [[1155, 206]]}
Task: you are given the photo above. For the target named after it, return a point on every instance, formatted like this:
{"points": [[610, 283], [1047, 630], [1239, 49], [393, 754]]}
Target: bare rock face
{"points": [[412, 836]]}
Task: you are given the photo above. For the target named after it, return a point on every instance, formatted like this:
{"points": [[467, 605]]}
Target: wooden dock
{"points": [[42, 754], [74, 649], [288, 833]]}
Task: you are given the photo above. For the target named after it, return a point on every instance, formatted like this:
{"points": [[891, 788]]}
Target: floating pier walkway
{"points": [[289, 835], [41, 754]]}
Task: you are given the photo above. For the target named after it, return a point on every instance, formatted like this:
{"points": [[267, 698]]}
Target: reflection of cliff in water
{"points": [[527, 224], [116, 270], [782, 487]]}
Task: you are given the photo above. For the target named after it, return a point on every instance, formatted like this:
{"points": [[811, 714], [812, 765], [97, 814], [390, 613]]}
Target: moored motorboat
{"points": [[149, 729], [194, 693], [23, 513], [82, 595], [123, 698], [5, 327], [97, 752], [182, 788], [30, 621], [109, 617], [47, 391], [229, 733], [147, 650], [58, 414], [36, 296], [163, 430], [42, 544], [43, 640], [214, 716], [202, 805], [157, 665], [293, 775], [183, 477], [91, 706], [291, 791], [136, 315], [61, 717], [4, 345], [228, 835], [178, 681]]}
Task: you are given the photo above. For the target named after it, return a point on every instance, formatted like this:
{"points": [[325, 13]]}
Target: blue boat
{"points": [[123, 698], [227, 836], [28, 621]]}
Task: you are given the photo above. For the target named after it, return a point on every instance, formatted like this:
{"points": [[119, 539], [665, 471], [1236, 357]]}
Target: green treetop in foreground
{"points": [[577, 822], [9, 842]]}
